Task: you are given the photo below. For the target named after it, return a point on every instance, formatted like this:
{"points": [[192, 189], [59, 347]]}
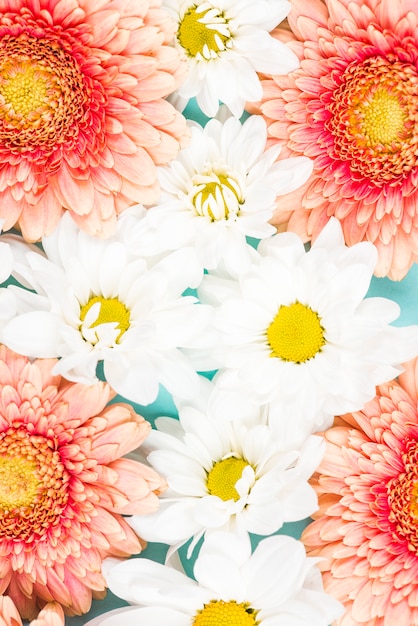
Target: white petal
{"points": [[34, 334]]}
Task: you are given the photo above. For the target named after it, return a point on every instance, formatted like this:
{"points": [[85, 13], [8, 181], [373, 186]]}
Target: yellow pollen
{"points": [[223, 477], [296, 333], [216, 196], [111, 310], [18, 482], [384, 117], [24, 89], [220, 613], [203, 33]]}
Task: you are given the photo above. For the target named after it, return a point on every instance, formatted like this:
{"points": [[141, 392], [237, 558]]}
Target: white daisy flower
{"points": [[298, 331], [92, 302], [225, 475], [277, 584], [220, 189], [225, 43]]}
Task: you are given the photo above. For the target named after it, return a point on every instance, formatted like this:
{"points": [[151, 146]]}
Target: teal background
{"points": [[405, 293]]}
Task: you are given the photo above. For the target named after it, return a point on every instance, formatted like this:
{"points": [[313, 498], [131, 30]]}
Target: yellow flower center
{"points": [[43, 96], [203, 32], [33, 484], [216, 196], [220, 613], [402, 493], [24, 89], [111, 310], [296, 333], [18, 482], [223, 477], [373, 120], [384, 118]]}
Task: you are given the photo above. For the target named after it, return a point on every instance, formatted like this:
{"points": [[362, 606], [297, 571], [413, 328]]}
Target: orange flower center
{"points": [[24, 88], [42, 94], [33, 484], [221, 613], [374, 119], [403, 499]]}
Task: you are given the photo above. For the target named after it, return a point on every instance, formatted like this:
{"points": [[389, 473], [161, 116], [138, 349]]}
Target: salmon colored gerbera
{"points": [[63, 487], [83, 120], [367, 524], [51, 615], [352, 108]]}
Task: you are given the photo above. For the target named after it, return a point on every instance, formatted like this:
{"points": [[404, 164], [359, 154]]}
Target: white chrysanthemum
{"points": [[277, 584], [91, 302], [225, 475], [298, 331], [220, 189], [225, 43]]}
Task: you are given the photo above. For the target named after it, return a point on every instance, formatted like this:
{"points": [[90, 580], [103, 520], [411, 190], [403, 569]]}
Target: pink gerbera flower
{"points": [[83, 120], [352, 108], [63, 487], [367, 524], [51, 615]]}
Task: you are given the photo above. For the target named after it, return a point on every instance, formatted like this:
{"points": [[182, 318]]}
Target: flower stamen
{"points": [[24, 89], [216, 196], [223, 477], [204, 32], [110, 310], [403, 499], [220, 613], [33, 484], [373, 120], [18, 482], [296, 333], [383, 118]]}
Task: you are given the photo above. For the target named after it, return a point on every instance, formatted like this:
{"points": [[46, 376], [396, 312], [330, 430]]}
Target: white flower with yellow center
{"points": [[225, 475], [277, 584], [298, 330], [91, 302], [220, 189], [225, 43]]}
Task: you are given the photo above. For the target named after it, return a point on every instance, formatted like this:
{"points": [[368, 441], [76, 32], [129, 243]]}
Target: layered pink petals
{"points": [[91, 141], [51, 615], [366, 528], [351, 108], [64, 516]]}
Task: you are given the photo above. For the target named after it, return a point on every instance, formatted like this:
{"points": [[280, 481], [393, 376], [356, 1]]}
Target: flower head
{"points": [[83, 119], [51, 615], [92, 302], [366, 527], [276, 584], [64, 487], [351, 107], [225, 475], [225, 44], [297, 329], [220, 189]]}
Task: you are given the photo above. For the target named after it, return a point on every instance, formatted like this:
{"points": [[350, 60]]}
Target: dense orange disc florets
{"points": [[83, 115], [366, 529], [352, 108], [64, 487]]}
